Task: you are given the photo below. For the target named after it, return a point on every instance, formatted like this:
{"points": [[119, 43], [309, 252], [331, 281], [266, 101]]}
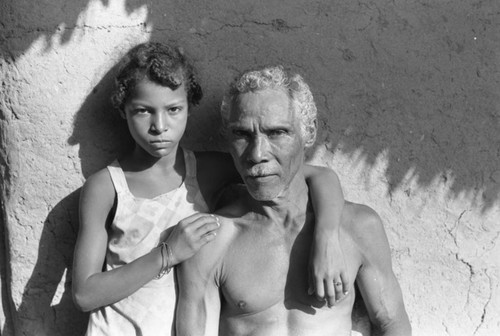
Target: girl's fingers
{"points": [[193, 217], [196, 221], [217, 219], [192, 222], [341, 285], [312, 286], [331, 293], [345, 283], [320, 290], [208, 237], [210, 224], [339, 288]]}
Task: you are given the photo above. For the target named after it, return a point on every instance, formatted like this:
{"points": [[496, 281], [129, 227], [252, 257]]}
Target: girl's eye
{"points": [[140, 110], [175, 109]]}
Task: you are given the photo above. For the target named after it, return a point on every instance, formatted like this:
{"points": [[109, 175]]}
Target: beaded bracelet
{"points": [[166, 257]]}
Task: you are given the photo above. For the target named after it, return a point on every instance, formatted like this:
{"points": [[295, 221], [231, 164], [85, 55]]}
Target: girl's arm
{"points": [[327, 271], [94, 287]]}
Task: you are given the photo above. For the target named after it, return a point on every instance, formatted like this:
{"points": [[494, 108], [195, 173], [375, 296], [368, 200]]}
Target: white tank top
{"points": [[138, 227]]}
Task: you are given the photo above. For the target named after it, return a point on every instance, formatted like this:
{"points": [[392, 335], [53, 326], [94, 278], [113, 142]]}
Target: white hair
{"points": [[274, 78]]}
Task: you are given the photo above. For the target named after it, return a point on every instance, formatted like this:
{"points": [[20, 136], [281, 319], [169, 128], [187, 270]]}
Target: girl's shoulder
{"points": [[101, 175], [97, 199], [100, 183]]}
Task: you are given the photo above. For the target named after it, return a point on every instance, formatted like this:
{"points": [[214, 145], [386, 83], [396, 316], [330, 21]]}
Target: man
{"points": [[252, 279]]}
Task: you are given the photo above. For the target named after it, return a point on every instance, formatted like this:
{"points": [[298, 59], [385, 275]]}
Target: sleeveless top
{"points": [[138, 227]]}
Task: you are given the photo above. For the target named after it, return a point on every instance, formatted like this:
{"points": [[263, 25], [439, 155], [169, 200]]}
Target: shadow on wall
{"points": [[51, 18], [55, 257], [101, 135], [98, 129], [408, 82]]}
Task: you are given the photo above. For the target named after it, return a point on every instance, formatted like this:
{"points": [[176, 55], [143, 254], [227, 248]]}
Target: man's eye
{"points": [[277, 133]]}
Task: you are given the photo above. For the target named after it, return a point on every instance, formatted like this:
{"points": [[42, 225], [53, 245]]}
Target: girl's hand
{"points": [[327, 271], [188, 237]]}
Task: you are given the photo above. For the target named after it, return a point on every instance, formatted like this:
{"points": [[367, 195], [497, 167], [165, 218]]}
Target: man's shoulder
{"points": [[362, 216], [231, 217], [209, 259], [364, 225]]}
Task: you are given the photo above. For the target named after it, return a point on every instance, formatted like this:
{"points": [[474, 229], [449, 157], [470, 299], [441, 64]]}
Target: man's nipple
{"points": [[242, 304]]}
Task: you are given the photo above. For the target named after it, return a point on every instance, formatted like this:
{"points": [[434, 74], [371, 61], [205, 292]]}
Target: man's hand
{"points": [[327, 271]]}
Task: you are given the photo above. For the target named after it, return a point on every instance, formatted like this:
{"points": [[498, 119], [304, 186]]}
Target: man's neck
{"points": [[292, 203]]}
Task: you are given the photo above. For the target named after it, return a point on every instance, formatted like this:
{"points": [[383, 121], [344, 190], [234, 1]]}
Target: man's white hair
{"points": [[274, 78]]}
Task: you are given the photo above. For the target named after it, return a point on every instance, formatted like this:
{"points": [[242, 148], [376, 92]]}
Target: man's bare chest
{"points": [[263, 272]]}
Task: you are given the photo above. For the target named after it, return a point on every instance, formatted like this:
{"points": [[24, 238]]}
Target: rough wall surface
{"points": [[409, 95]]}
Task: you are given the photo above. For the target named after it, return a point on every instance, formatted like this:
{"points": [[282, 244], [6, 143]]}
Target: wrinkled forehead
{"points": [[268, 104]]}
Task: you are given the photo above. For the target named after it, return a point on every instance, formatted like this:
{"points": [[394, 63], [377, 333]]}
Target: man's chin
{"points": [[264, 195], [264, 189]]}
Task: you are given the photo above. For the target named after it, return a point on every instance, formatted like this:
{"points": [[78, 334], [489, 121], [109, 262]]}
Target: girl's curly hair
{"points": [[162, 64]]}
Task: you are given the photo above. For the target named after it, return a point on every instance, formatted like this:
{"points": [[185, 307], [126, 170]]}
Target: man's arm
{"points": [[376, 280], [198, 305], [198, 301]]}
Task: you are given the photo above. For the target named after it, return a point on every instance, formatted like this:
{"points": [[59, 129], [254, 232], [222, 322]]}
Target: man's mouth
{"points": [[260, 173], [260, 177]]}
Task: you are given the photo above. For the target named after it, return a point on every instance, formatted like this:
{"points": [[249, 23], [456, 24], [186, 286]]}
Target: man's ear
{"points": [[311, 131]]}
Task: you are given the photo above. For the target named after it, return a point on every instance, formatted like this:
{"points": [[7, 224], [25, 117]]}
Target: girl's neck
{"points": [[148, 177], [139, 160]]}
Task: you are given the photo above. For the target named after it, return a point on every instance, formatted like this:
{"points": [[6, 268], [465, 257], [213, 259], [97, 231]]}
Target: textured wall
{"points": [[409, 94]]}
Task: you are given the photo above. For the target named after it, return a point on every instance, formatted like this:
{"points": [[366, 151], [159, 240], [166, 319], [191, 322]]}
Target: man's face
{"points": [[265, 142]]}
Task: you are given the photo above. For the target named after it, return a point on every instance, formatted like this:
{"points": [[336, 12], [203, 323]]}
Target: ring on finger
{"points": [[208, 234], [338, 283]]}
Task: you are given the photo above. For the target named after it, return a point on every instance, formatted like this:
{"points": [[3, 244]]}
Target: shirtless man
{"points": [[252, 279]]}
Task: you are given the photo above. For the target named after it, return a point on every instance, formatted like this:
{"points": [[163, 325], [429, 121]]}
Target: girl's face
{"points": [[156, 116]]}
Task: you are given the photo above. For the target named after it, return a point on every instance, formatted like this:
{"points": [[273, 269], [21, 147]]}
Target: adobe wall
{"points": [[409, 97]]}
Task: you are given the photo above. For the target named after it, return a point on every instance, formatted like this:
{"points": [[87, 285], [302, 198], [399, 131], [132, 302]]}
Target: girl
{"points": [[128, 238]]}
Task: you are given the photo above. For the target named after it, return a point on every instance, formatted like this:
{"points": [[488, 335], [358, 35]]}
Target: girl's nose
{"points": [[159, 123]]}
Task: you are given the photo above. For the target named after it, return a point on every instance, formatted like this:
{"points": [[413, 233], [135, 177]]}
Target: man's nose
{"points": [[159, 123], [259, 149]]}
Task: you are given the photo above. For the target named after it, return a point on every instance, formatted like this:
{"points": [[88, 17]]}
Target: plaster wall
{"points": [[409, 97]]}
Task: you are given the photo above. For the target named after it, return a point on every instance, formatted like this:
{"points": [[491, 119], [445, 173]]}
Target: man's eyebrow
{"points": [[285, 125]]}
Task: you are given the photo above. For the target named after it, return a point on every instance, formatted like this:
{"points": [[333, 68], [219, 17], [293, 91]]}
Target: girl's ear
{"points": [[122, 113]]}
